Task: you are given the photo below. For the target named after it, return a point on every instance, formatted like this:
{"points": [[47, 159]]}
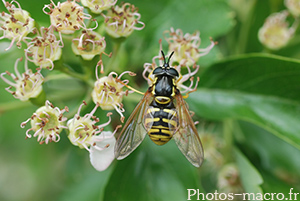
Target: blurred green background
{"points": [[247, 105]]}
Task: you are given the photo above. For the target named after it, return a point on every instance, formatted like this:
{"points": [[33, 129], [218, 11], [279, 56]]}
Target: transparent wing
{"points": [[134, 131], [186, 136]]}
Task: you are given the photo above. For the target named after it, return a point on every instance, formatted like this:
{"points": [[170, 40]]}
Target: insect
{"points": [[162, 114]]}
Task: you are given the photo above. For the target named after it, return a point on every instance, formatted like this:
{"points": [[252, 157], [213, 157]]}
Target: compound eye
{"points": [[157, 71], [173, 72]]}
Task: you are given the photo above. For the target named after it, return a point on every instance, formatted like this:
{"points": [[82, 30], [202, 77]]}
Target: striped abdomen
{"points": [[161, 122]]}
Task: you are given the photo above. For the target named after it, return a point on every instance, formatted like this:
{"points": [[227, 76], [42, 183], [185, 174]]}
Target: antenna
{"points": [[170, 57], [166, 64]]}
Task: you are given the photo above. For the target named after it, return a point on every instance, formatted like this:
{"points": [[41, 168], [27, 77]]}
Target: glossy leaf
{"points": [[152, 173], [279, 116], [256, 74], [91, 187], [274, 153], [250, 177], [257, 88], [211, 18]]}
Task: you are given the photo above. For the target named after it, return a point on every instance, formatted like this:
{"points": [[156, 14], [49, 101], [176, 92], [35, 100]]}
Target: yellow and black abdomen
{"points": [[161, 121]]}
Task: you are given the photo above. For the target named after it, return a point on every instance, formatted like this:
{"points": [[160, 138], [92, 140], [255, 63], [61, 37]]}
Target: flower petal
{"points": [[101, 159]]}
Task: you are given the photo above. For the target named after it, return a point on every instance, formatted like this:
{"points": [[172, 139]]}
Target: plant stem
{"points": [[87, 98], [112, 64], [245, 29], [13, 105], [228, 125], [84, 77]]}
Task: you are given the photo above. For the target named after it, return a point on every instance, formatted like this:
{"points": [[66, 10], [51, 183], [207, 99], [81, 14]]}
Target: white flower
{"points": [[44, 49], [108, 92], [47, 122], [276, 33], [88, 45], [97, 6], [27, 85], [17, 24], [101, 159], [82, 130], [186, 47], [293, 6], [84, 133], [66, 17], [121, 21]]}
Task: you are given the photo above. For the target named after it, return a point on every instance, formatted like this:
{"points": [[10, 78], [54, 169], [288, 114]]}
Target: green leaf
{"points": [[152, 173], [279, 116], [250, 177], [256, 74], [275, 186], [271, 154], [90, 187], [258, 88], [212, 18]]}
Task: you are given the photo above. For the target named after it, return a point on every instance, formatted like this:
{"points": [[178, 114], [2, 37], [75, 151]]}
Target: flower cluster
{"points": [[47, 57], [44, 51], [47, 122], [84, 133], [276, 31]]}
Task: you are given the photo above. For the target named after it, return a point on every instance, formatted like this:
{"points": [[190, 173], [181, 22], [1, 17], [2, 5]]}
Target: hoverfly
{"points": [[162, 114]]}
